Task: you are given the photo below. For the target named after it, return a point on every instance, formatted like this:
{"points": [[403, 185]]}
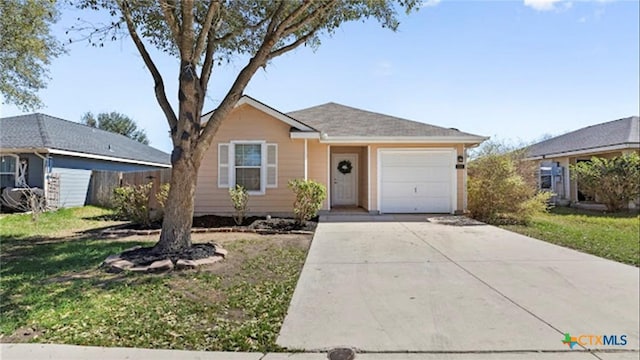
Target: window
{"points": [[545, 177], [8, 170], [248, 166], [251, 164]]}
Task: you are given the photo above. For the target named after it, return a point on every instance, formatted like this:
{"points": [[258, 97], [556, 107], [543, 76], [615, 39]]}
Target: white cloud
{"points": [[545, 5], [430, 3]]}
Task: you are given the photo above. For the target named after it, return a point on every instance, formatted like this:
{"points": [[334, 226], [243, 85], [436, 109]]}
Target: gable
{"points": [[247, 101]]}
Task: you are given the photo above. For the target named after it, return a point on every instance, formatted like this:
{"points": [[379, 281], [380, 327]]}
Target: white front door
{"points": [[344, 175]]}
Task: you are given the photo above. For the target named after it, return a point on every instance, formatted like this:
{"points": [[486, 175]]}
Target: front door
{"points": [[344, 175]]}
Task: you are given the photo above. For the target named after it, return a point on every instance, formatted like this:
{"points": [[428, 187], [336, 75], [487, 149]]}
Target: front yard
{"points": [[612, 236], [52, 290]]}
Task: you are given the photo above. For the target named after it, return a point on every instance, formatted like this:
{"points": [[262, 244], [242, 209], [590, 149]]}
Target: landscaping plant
{"points": [[614, 182], [309, 198], [239, 198], [500, 190], [132, 203]]}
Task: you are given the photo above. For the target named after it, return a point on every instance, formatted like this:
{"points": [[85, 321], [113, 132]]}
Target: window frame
{"points": [[262, 167], [16, 158]]}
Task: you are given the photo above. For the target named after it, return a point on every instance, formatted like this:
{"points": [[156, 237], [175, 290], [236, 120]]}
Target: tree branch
{"points": [[317, 13], [301, 40], [187, 32], [161, 96], [294, 15], [170, 18], [233, 95], [214, 7]]}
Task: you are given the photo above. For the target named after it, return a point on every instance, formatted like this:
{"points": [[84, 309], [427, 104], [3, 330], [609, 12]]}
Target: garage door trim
{"points": [[454, 179]]}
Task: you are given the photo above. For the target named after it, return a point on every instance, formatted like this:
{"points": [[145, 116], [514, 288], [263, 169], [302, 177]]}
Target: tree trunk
{"points": [[178, 213]]}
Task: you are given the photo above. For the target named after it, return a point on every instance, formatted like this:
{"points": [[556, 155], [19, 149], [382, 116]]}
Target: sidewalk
{"points": [[72, 352]]}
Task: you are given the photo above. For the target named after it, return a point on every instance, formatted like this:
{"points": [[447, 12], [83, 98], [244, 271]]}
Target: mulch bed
{"points": [[145, 256], [215, 223]]}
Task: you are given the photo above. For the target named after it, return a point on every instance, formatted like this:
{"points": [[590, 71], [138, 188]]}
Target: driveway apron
{"points": [[417, 286]]}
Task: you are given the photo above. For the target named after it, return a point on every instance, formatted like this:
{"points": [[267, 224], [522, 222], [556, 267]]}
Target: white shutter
{"points": [[272, 165], [223, 166]]}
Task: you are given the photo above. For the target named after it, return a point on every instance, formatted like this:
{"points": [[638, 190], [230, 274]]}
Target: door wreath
{"points": [[345, 166]]}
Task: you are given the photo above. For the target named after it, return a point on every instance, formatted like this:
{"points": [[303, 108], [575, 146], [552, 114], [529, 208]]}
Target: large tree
{"points": [[203, 34], [117, 123], [26, 49]]}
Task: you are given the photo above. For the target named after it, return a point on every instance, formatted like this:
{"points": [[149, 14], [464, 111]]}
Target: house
{"points": [[57, 156], [554, 155], [367, 161]]}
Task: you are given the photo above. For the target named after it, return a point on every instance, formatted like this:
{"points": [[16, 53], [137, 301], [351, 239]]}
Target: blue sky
{"points": [[514, 70]]}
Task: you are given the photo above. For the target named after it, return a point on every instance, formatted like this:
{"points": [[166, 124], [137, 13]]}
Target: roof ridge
{"points": [[633, 119], [46, 141], [588, 127], [382, 114]]}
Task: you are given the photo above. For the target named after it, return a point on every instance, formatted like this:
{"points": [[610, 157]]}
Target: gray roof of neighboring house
{"points": [[40, 131], [339, 120], [617, 132]]}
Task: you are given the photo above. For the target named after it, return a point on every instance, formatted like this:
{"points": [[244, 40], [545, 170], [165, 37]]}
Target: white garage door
{"points": [[416, 181]]}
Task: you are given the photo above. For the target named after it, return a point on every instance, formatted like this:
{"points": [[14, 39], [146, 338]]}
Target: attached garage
{"points": [[417, 180]]}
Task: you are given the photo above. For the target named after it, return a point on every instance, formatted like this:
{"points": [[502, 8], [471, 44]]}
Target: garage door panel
{"points": [[416, 160], [416, 181], [417, 174]]}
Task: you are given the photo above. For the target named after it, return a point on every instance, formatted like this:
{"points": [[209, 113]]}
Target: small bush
{"points": [[309, 198], [500, 192], [132, 203], [614, 182], [239, 198]]}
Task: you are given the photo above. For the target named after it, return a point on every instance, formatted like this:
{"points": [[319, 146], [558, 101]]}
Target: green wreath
{"points": [[345, 167]]}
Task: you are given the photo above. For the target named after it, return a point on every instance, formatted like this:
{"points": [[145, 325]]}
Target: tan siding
{"points": [[363, 179], [374, 170], [317, 164], [247, 123]]}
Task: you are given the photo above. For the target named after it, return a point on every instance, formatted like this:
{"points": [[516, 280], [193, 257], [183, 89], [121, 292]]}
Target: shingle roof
{"points": [[40, 131], [618, 132], [340, 120]]}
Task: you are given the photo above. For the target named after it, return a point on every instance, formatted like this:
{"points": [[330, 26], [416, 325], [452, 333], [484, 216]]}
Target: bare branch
{"points": [[214, 7], [161, 96], [207, 65], [170, 18]]}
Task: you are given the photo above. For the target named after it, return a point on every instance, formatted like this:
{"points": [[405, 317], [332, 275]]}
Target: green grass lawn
{"points": [[612, 236], [52, 289]]}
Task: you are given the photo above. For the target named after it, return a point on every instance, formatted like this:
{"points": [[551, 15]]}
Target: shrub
{"points": [[500, 190], [614, 182], [309, 198], [239, 198], [132, 203]]}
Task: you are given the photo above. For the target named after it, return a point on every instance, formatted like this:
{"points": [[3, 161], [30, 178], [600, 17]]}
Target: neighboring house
{"points": [[56, 155], [378, 163], [605, 140]]}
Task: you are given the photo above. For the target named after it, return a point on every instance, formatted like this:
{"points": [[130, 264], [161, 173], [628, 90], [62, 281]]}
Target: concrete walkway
{"points": [[412, 285]]}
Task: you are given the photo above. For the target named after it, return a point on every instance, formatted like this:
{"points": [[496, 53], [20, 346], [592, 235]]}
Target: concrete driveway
{"points": [[418, 286]]}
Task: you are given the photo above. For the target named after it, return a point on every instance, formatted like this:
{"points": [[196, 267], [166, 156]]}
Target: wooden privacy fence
{"points": [[103, 183]]}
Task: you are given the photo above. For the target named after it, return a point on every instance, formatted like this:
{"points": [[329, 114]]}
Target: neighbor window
{"points": [[8, 170], [251, 164]]}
